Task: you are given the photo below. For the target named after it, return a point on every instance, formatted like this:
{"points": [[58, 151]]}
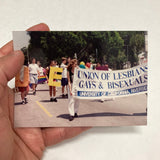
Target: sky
{"points": [[20, 39]]}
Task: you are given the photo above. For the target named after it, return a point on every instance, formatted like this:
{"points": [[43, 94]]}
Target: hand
{"points": [[23, 143]]}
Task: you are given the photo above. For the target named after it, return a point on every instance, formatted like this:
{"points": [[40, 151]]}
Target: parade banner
{"points": [[96, 84], [54, 77]]}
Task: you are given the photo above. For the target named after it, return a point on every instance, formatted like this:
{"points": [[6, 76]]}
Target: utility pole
{"points": [[96, 54], [75, 55]]}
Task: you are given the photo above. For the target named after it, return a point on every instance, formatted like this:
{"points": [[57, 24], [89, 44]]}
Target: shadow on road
{"points": [[18, 103], [30, 93], [105, 100], [140, 114], [62, 98], [66, 116], [42, 90], [45, 101]]}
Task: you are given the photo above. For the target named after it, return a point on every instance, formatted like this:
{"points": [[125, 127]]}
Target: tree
{"points": [[116, 56], [133, 44], [137, 45], [112, 47]]}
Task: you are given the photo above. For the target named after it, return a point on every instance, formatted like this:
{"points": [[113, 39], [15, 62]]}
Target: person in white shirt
{"points": [[73, 104], [33, 74], [40, 68], [64, 81]]}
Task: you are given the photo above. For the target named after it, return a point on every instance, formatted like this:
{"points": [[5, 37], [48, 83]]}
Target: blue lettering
{"points": [[137, 72], [145, 77], [114, 75], [103, 76], [110, 85], [126, 83], [81, 84]]}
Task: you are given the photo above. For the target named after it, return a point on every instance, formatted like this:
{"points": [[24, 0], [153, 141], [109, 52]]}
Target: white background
{"points": [[111, 143]]}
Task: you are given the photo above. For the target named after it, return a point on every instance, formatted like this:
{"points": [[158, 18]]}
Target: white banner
{"points": [[96, 84]]}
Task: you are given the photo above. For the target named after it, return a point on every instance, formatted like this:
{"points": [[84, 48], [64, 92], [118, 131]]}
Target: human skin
{"points": [[23, 143]]}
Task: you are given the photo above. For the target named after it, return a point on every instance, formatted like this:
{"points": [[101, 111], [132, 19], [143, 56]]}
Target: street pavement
{"points": [[40, 112]]}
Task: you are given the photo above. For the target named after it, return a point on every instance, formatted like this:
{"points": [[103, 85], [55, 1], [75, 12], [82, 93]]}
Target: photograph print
{"points": [[81, 78]]}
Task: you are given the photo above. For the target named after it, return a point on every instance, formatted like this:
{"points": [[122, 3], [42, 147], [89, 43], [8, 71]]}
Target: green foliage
{"points": [[133, 44], [95, 46], [116, 44]]}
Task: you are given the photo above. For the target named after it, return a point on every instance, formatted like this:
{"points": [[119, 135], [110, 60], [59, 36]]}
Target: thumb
{"points": [[10, 65]]}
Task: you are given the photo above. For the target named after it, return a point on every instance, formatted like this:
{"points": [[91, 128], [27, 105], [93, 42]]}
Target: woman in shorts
{"points": [[33, 74]]}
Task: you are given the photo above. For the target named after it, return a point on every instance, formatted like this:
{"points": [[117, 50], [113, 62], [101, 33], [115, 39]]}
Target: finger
{"points": [[32, 137], [55, 135], [10, 65], [10, 104], [6, 137], [39, 27], [8, 48]]}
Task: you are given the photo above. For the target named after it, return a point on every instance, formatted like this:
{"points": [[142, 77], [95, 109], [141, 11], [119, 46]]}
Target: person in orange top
{"points": [[22, 82]]}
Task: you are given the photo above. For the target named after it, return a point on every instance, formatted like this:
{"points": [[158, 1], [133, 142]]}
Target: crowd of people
{"points": [[29, 77]]}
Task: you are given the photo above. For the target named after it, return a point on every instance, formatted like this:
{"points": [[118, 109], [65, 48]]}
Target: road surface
{"points": [[40, 112]]}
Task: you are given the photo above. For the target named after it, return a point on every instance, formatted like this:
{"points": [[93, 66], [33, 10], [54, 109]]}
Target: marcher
{"points": [[73, 104], [82, 65], [22, 81], [68, 60], [56, 64], [98, 66], [88, 65], [42, 77], [40, 69], [52, 89], [33, 74], [64, 81]]}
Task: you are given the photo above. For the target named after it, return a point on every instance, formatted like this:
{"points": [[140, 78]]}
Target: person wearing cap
{"points": [[82, 65]]}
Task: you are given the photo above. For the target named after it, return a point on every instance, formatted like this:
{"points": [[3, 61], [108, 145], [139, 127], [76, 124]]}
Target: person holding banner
{"points": [[52, 89], [33, 74], [73, 104], [64, 76]]}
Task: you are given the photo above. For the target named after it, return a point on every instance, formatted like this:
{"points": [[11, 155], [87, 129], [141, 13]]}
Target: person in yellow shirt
{"points": [[52, 89]]}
